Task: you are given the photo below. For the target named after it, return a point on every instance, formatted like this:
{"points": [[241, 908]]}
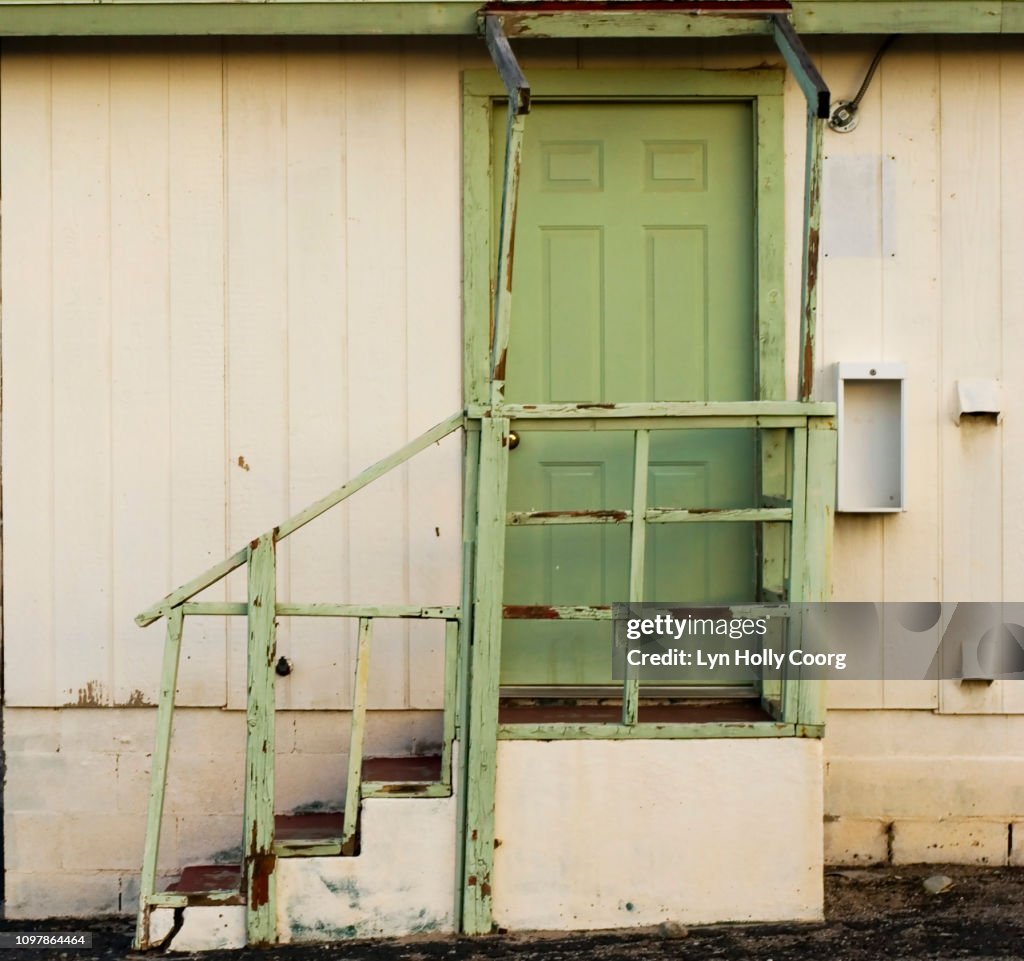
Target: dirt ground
{"points": [[870, 914]]}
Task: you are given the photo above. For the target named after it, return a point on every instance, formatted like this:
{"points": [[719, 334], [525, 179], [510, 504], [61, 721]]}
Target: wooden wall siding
{"points": [[940, 292], [231, 278]]}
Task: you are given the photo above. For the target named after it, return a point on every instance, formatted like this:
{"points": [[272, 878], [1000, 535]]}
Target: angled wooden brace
{"points": [[518, 107], [817, 94]]}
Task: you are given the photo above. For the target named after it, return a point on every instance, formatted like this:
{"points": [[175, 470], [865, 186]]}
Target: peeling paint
{"points": [[597, 515], [536, 612], [543, 612], [499, 367]]}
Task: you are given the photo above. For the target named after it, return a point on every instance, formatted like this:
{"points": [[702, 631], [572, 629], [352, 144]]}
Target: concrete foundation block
{"points": [[856, 841], [953, 841], [70, 894]]}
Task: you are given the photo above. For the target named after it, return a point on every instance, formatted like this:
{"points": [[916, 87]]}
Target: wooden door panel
{"points": [[633, 282]]}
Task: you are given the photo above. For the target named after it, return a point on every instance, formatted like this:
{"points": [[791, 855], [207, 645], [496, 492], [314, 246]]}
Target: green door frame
{"points": [[483, 93]]}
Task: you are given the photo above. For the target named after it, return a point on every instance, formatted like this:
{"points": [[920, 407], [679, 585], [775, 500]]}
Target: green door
{"points": [[634, 281]]}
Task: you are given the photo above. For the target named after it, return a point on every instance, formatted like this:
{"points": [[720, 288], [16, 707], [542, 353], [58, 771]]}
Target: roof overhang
{"points": [[617, 18]]}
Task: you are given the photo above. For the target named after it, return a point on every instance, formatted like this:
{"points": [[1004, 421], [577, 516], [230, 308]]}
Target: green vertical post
{"points": [[637, 557], [518, 106], [158, 772], [797, 571], [817, 95], [506, 252], [353, 788], [821, 492], [811, 245], [485, 667], [773, 539], [774, 477], [451, 681], [470, 484], [258, 836]]}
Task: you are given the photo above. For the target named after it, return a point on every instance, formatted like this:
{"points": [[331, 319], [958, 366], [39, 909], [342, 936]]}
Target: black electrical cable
{"points": [[871, 70], [844, 117]]}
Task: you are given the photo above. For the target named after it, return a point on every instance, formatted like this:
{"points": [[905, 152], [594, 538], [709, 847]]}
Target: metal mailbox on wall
{"points": [[871, 410]]}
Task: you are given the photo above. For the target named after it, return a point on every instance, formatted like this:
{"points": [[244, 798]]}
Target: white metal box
{"points": [[871, 410]]}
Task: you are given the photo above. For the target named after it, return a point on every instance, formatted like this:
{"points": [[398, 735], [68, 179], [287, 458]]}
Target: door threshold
{"points": [[561, 692], [748, 710]]}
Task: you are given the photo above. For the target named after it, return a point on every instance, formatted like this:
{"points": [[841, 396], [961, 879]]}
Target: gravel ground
{"points": [[870, 914]]}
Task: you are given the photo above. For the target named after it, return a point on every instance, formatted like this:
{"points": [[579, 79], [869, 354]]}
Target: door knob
{"points": [[513, 440]]}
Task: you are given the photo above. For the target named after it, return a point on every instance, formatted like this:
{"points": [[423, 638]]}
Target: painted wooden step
{"points": [[210, 884], [409, 775], [308, 835], [400, 884], [316, 834]]}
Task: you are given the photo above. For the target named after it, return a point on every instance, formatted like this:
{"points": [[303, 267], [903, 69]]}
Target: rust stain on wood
{"points": [[532, 613], [261, 867], [599, 515], [499, 366]]}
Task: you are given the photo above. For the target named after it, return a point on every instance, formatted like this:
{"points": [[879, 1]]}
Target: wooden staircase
{"points": [[317, 834], [405, 827]]}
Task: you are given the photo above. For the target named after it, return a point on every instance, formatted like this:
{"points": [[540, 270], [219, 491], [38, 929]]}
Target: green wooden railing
{"points": [[796, 488], [797, 444], [796, 477], [261, 609]]}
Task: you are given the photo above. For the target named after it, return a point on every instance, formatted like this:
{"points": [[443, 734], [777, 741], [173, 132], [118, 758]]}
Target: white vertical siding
{"points": [[911, 306], [317, 282], [231, 279], [971, 454], [196, 279], [433, 138], [1011, 97], [81, 431], [219, 261], [376, 190], [938, 296], [136, 162], [28, 374], [256, 319], [850, 306]]}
